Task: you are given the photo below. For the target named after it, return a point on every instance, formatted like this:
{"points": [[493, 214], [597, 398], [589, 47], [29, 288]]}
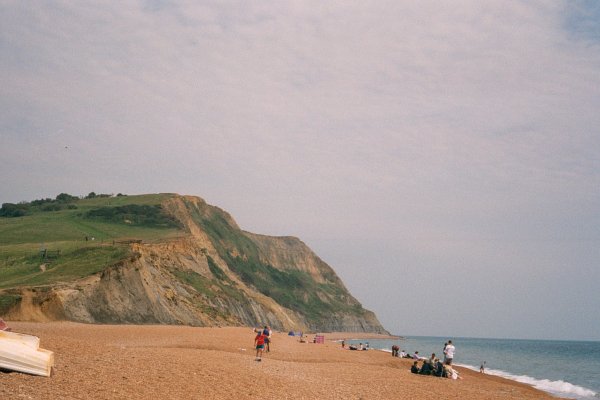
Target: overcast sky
{"points": [[443, 158]]}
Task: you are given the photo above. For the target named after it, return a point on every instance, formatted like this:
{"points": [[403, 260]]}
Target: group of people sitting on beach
{"points": [[433, 365], [360, 346], [396, 352]]}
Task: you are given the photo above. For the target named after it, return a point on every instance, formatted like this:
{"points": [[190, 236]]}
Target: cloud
{"points": [[413, 131]]}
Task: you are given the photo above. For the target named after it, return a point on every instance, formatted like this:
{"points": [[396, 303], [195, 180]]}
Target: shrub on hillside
{"points": [[66, 198], [40, 202], [10, 210], [51, 207], [93, 195], [63, 201], [134, 214]]}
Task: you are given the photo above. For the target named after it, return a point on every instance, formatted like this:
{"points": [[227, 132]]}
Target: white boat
{"points": [[22, 353]]}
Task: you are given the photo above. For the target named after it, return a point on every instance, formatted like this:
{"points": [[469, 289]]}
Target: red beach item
{"points": [[3, 326]]}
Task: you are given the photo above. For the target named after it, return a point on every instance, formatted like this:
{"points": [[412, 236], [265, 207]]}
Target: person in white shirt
{"points": [[449, 352]]}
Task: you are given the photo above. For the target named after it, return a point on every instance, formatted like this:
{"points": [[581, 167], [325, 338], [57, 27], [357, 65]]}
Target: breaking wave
{"points": [[559, 387]]}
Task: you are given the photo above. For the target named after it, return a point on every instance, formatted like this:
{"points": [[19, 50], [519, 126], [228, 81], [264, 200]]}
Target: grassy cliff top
{"points": [[77, 237]]}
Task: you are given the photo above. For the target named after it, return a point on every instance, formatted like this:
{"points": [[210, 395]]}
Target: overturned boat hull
{"points": [[19, 352]]}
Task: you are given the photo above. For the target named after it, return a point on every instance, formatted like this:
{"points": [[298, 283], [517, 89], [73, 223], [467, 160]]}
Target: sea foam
{"points": [[559, 387]]}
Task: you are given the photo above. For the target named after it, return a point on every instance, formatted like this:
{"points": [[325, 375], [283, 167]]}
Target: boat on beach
{"points": [[22, 353]]}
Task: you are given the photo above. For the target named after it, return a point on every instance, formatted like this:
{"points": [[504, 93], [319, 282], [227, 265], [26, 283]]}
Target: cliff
{"points": [[210, 274]]}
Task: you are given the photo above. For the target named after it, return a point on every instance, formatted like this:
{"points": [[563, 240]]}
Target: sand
{"points": [[177, 362]]}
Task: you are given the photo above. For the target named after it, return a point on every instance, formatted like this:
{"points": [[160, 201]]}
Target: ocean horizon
{"points": [[563, 368]]}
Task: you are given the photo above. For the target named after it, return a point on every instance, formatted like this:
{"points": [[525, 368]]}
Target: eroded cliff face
{"points": [[290, 253], [215, 275]]}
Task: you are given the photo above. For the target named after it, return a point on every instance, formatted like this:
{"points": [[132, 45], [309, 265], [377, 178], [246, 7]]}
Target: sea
{"points": [[569, 369]]}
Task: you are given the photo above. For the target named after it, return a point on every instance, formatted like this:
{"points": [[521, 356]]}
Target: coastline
{"points": [[139, 362], [337, 336]]}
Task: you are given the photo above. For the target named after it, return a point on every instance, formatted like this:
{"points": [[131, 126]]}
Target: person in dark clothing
{"points": [[426, 368], [438, 369], [395, 350], [267, 333], [414, 369]]}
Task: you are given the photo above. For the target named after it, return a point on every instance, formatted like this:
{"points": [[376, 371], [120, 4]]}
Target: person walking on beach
{"points": [[267, 332], [449, 352], [482, 368], [259, 342]]}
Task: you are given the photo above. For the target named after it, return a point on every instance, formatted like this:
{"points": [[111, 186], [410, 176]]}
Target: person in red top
{"points": [[259, 342]]}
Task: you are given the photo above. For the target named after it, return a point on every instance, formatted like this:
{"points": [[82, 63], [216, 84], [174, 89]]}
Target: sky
{"points": [[442, 157]]}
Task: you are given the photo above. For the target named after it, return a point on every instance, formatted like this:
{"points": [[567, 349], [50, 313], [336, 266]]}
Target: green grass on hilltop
{"points": [[141, 199], [22, 238], [65, 225], [20, 266]]}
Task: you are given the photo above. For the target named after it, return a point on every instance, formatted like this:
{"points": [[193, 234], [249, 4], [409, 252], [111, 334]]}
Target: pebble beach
{"points": [[181, 362]]}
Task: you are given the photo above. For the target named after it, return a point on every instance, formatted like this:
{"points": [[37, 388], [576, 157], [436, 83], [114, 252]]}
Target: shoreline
{"points": [[147, 361], [337, 336], [556, 388]]}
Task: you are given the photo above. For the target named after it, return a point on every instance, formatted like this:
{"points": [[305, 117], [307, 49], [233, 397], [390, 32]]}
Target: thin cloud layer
{"points": [[414, 145]]}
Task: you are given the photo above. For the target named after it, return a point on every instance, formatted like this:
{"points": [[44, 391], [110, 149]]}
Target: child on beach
{"points": [[259, 342]]}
